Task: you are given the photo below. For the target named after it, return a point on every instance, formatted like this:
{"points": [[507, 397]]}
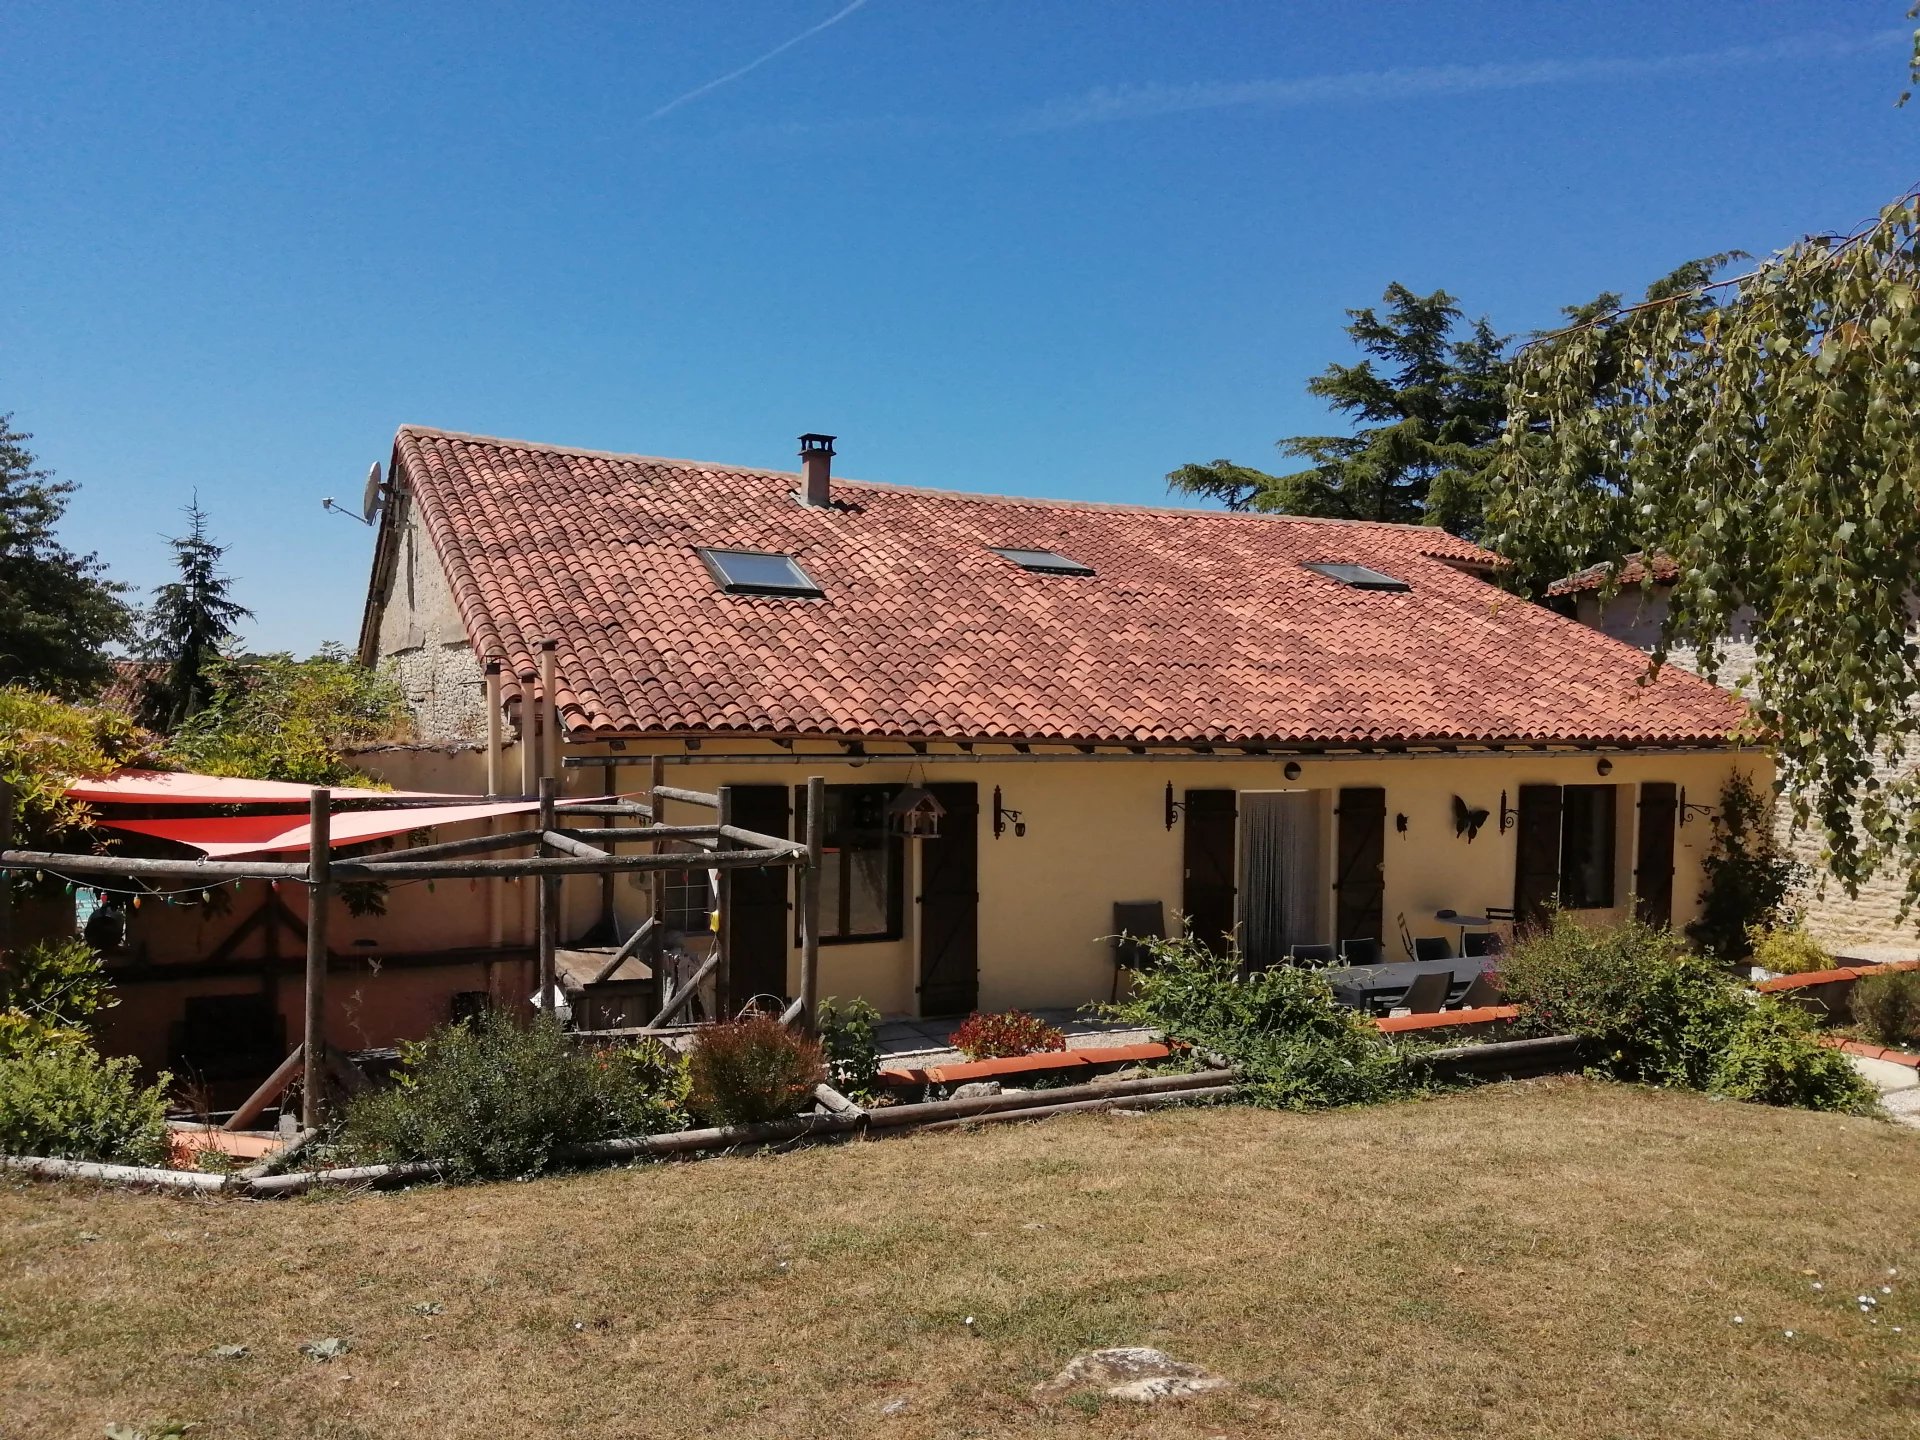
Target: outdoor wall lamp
{"points": [[1509, 817], [1291, 770], [1688, 811], [1605, 766], [1174, 807], [1001, 815]]}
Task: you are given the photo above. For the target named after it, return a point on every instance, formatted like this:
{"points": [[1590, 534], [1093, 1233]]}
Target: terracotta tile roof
{"points": [[132, 683], [1665, 570], [1199, 626]]}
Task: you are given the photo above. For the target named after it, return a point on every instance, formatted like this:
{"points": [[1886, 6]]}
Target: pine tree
{"points": [[1427, 401], [58, 611], [190, 623]]}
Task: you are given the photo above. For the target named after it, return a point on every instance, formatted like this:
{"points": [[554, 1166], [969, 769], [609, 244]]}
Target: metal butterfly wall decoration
{"points": [[1467, 820]]}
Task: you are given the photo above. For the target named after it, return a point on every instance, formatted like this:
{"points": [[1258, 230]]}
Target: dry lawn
{"points": [[1557, 1258]]}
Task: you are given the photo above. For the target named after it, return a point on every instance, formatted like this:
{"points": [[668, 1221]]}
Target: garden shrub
{"points": [[1750, 879], [1788, 950], [64, 1099], [850, 1045], [49, 993], [1008, 1033], [1886, 1007], [493, 1097], [1656, 1013], [1298, 1048], [747, 1071]]}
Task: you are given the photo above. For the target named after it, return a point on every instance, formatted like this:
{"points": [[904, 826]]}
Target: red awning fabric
{"points": [[227, 835], [169, 787]]}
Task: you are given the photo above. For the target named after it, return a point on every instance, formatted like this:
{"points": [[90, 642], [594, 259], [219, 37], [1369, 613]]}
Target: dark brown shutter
{"points": [[1207, 847], [1360, 880], [950, 905], [757, 927], [1653, 855], [1536, 872]]}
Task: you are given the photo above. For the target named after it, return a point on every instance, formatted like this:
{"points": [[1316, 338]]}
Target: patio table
{"points": [[1366, 987]]}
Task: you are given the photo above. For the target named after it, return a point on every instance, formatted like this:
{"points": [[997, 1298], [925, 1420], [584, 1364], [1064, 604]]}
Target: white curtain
{"points": [[1281, 880]]}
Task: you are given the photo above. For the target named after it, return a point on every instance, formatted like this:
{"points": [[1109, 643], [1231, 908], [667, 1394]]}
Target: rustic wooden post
{"points": [[547, 912], [529, 735], [319, 901], [495, 752], [549, 709], [723, 903], [6, 876], [810, 902]]}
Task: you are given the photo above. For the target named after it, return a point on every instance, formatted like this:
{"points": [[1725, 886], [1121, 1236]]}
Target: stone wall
{"points": [[1867, 925], [422, 634]]}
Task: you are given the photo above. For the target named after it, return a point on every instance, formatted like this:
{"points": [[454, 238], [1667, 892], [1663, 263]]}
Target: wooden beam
{"points": [[705, 859], [208, 872], [568, 845], [547, 910], [319, 901], [641, 935], [688, 797], [472, 845], [810, 900], [282, 1076], [686, 992], [723, 938]]}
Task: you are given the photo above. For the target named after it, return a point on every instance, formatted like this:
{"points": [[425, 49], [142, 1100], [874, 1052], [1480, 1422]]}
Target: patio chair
{"points": [[1133, 922], [1432, 947], [1361, 952], [1427, 995], [1311, 956], [1482, 943], [1484, 990]]}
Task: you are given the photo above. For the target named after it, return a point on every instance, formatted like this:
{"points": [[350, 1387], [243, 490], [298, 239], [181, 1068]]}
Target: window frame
{"points": [[1058, 564], [1366, 578], [710, 556], [1604, 864], [839, 906]]}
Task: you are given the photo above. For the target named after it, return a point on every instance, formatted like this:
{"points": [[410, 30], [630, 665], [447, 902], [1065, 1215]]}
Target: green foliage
{"points": [[45, 743], [65, 1100], [495, 1098], [849, 1044], [1886, 1007], [1298, 1048], [272, 717], [751, 1070], [1653, 1012], [190, 624], [58, 611], [1011, 1032], [1426, 404], [1750, 880], [49, 994], [1788, 950], [1770, 444]]}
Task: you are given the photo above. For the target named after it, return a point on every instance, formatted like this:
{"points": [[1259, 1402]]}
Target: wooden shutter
{"points": [[756, 925], [1536, 873], [1653, 855], [1209, 885], [1360, 880], [950, 905]]}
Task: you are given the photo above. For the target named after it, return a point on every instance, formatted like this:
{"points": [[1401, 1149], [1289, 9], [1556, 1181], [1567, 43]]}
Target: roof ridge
{"points": [[934, 491]]}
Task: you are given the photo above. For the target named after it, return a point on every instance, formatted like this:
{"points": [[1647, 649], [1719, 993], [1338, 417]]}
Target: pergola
{"points": [[558, 850]]}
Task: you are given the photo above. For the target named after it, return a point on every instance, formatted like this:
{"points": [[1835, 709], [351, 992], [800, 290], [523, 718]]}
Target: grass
{"points": [[1556, 1258]]}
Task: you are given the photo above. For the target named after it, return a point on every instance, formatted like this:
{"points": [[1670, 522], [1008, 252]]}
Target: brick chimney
{"points": [[816, 469]]}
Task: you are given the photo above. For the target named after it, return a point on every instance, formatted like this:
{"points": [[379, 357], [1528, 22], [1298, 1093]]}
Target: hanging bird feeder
{"points": [[914, 811]]}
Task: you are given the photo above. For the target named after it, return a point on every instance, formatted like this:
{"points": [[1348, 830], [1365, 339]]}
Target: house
{"points": [[1294, 729], [1867, 925]]}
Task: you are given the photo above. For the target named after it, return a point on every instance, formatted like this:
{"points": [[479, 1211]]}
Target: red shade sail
{"points": [[225, 835], [169, 787]]}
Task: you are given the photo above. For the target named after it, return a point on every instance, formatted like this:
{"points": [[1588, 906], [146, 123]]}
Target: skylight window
{"points": [[752, 572], [1042, 562], [1359, 577]]}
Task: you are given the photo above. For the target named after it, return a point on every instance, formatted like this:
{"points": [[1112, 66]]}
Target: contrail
{"points": [[752, 65]]}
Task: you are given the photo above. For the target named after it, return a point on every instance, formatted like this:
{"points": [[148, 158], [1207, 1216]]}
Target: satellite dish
{"points": [[370, 498]]}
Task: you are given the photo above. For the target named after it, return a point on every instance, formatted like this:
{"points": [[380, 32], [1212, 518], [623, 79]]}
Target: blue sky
{"points": [[1042, 248]]}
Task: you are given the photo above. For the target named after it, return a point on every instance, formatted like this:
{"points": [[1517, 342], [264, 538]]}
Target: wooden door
{"points": [[756, 927], [950, 905], [1653, 855], [1536, 869], [1360, 878], [1210, 884]]}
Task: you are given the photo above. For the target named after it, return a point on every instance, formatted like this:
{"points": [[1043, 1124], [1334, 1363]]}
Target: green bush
{"points": [[751, 1070], [1298, 1047], [64, 1099], [49, 993], [495, 1098], [1655, 1013], [1775, 1058], [1750, 879], [851, 1048], [1886, 1007], [1788, 950]]}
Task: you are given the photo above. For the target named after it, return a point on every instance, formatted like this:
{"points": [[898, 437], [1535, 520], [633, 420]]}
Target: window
{"points": [[1586, 847], [1359, 577], [862, 870], [750, 572], [1042, 562]]}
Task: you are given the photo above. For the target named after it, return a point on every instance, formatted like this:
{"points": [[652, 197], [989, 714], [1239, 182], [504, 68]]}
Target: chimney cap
{"points": [[817, 444]]}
